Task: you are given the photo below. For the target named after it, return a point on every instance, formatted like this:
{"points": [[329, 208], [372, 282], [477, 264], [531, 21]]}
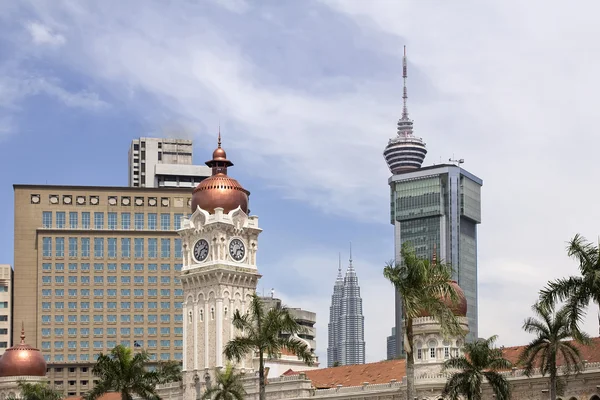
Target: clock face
{"points": [[201, 250], [237, 250]]}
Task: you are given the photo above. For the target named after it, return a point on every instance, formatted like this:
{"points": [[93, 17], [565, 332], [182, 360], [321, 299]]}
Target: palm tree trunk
{"points": [[552, 387], [261, 377], [411, 393]]}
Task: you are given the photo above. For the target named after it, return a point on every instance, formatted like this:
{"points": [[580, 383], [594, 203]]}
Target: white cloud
{"points": [[42, 34], [237, 6]]}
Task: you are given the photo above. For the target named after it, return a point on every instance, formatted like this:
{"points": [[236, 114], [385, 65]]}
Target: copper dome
{"points": [[459, 308], [22, 360], [220, 190]]}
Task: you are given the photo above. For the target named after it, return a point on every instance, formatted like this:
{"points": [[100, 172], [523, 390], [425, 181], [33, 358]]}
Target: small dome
{"points": [[22, 360], [220, 190], [459, 308]]}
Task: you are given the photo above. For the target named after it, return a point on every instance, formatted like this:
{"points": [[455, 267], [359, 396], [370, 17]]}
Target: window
{"points": [[85, 220], [60, 219], [165, 280], [47, 267], [72, 279], [60, 247], [138, 247], [45, 305], [111, 305], [138, 292], [152, 318], [98, 292], [178, 252], [59, 279], [125, 305], [98, 267], [138, 279], [152, 221], [98, 220], [85, 247], [152, 279], [112, 292], [72, 331], [47, 246], [165, 267], [125, 267], [45, 319], [125, 279], [72, 345], [432, 344], [98, 280], [47, 219], [98, 331], [165, 356], [177, 220], [59, 292], [152, 292], [178, 330], [152, 343], [45, 345], [138, 305], [112, 247], [178, 356], [98, 344], [178, 268], [73, 220], [138, 318], [125, 247], [178, 292], [152, 248], [165, 222], [138, 267], [111, 344], [85, 267], [125, 221], [178, 343], [111, 331], [84, 305], [112, 220], [98, 318], [165, 318], [99, 247], [85, 280], [72, 247], [73, 319], [165, 292], [125, 318], [111, 318], [165, 331], [112, 267], [139, 221], [165, 343], [72, 292], [46, 292], [59, 318], [72, 305], [152, 267], [165, 248], [85, 292], [125, 331], [59, 267], [85, 318], [45, 332], [446, 352], [179, 305]]}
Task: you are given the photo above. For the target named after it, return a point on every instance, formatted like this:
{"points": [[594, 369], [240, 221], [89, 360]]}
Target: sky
{"points": [[307, 94]]}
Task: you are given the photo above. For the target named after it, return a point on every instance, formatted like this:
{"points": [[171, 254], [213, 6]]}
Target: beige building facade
{"points": [[96, 267]]}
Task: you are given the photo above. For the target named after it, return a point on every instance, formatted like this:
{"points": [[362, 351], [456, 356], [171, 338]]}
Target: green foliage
{"points": [[123, 372], [37, 391], [553, 333], [261, 332], [228, 386], [481, 361], [576, 291]]}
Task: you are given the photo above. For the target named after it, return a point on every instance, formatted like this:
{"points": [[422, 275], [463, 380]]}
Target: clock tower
{"points": [[219, 274]]}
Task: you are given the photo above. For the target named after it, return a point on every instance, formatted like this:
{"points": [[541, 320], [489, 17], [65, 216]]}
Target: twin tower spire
{"points": [[346, 341]]}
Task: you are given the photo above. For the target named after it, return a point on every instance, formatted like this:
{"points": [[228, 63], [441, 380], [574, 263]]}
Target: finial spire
{"points": [[350, 252], [219, 141], [22, 332], [340, 263], [405, 92]]}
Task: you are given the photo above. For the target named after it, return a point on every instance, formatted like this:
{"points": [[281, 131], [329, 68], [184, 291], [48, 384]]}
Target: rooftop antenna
{"points": [[405, 92], [272, 293], [456, 161]]}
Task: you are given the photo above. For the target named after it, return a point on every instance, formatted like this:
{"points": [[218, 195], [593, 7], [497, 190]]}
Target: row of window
{"points": [[110, 293], [111, 267], [141, 221], [99, 344], [111, 305], [112, 318], [94, 357], [83, 332], [111, 280], [448, 352], [82, 246]]}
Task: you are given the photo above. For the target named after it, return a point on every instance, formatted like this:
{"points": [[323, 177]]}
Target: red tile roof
{"points": [[105, 396], [385, 371]]}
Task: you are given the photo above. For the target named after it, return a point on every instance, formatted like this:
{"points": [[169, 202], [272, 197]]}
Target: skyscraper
{"points": [[346, 321], [438, 205], [155, 162]]}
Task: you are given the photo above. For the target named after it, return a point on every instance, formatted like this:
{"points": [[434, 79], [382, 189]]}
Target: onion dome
{"points": [[220, 190], [22, 360], [459, 308], [405, 152]]}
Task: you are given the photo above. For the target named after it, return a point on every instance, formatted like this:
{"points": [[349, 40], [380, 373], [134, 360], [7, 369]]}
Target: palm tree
{"points": [[577, 291], [168, 371], [36, 391], [121, 371], [481, 360], [553, 333], [228, 386], [266, 332], [422, 286]]}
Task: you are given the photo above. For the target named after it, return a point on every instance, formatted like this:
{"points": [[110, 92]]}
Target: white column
{"points": [[219, 332], [231, 308], [206, 342], [243, 311], [196, 328], [185, 342]]}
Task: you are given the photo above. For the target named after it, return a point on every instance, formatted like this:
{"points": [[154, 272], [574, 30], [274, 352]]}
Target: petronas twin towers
{"points": [[346, 321]]}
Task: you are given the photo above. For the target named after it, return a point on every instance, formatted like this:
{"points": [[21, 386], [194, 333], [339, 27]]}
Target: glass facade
{"points": [[441, 207]]}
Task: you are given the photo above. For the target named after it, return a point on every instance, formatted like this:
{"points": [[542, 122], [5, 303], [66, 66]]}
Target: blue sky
{"points": [[307, 94]]}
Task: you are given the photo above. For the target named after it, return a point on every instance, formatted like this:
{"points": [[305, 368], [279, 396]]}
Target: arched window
{"points": [[419, 347], [594, 397], [432, 345], [225, 312], [201, 315], [190, 316], [212, 313]]}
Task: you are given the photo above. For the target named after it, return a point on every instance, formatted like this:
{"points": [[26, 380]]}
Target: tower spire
{"points": [[405, 92], [22, 332], [219, 141]]}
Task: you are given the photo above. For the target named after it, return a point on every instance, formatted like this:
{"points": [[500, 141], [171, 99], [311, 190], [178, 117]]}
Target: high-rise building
{"points": [[391, 345], [436, 206], [306, 319], [155, 162], [6, 304], [95, 267], [346, 339]]}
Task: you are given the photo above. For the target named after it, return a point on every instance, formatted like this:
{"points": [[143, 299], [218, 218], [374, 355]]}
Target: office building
{"points": [[432, 207], [346, 338], [6, 304], [95, 267], [391, 345], [306, 319], [155, 162]]}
